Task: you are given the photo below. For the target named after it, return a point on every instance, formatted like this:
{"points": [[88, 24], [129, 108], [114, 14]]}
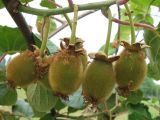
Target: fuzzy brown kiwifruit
{"points": [[65, 73], [99, 79], [131, 68], [79, 47], [20, 71]]}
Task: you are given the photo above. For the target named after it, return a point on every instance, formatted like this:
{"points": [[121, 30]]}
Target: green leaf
{"points": [[11, 40], [147, 2], [139, 112], [59, 105], [135, 97], [125, 31], [8, 96], [39, 24], [1, 4], [111, 101], [141, 18], [152, 38], [25, 1], [48, 116], [40, 97], [149, 88], [52, 47], [157, 118], [22, 108], [46, 3], [156, 3], [2, 76], [111, 49], [37, 113]]}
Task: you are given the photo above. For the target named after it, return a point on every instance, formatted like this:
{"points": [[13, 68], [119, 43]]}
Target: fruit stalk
{"points": [[108, 32], [74, 25], [133, 38], [68, 20], [44, 34]]}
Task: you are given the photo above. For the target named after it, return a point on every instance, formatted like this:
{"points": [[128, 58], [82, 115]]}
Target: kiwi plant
{"points": [[131, 68], [99, 78], [65, 72]]}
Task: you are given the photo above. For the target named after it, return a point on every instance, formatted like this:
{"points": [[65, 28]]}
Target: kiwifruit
{"points": [[78, 46], [20, 71], [131, 68], [65, 73], [84, 60], [99, 79]]}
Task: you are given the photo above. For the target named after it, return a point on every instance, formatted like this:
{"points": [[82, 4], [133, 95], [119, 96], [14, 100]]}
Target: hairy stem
{"points": [[133, 37], [57, 11], [44, 35], [109, 32], [74, 25]]}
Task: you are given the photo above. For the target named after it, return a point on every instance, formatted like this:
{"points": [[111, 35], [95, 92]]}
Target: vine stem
{"points": [[108, 32], [133, 37], [143, 25], [74, 25], [44, 34], [57, 11]]}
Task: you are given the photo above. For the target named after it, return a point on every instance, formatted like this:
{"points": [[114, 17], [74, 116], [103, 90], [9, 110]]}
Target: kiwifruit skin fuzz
{"points": [[65, 73], [130, 69], [20, 71], [84, 60], [99, 80]]}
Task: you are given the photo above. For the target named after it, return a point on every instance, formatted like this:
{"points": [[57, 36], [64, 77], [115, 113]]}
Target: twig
{"points": [[66, 24], [143, 25], [59, 20]]}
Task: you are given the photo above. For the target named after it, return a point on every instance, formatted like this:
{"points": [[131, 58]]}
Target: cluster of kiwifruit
{"points": [[67, 70]]}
